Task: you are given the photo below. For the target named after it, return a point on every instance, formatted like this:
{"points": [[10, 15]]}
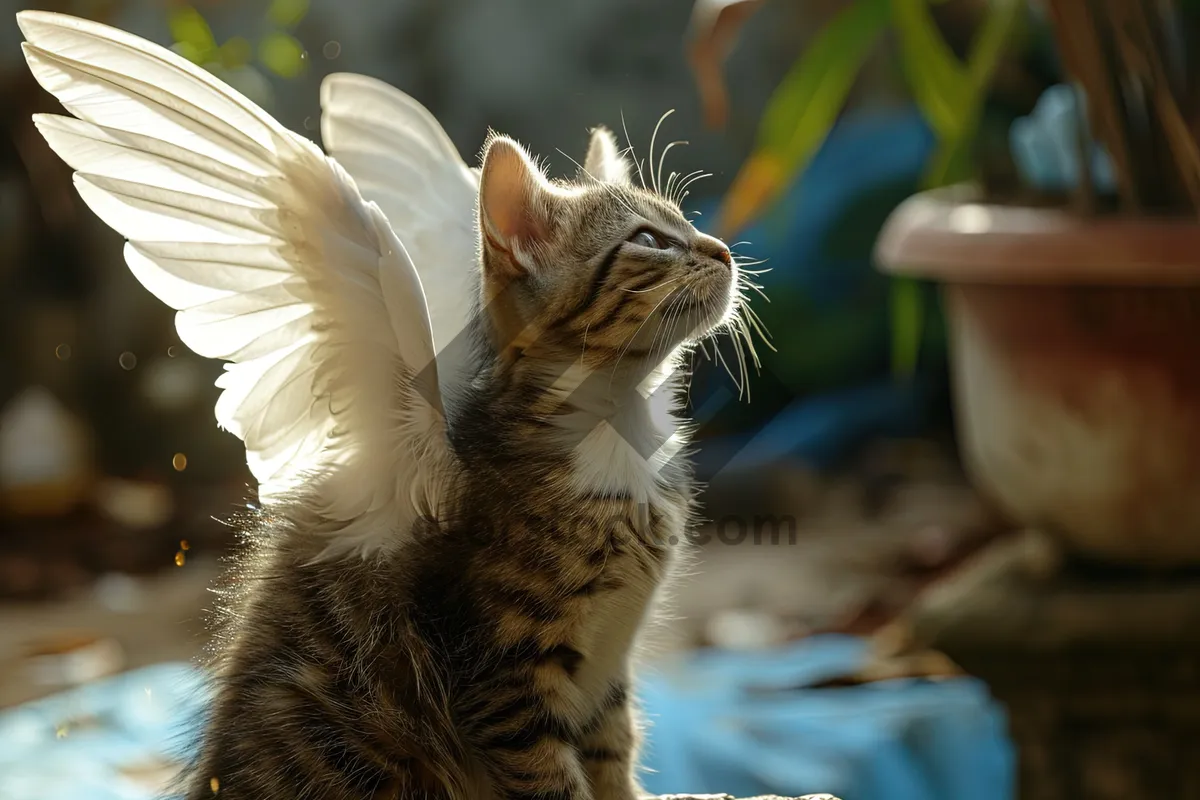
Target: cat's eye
{"points": [[648, 238]]}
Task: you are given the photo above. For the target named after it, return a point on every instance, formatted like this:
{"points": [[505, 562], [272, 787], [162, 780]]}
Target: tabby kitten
{"points": [[490, 657], [455, 557]]}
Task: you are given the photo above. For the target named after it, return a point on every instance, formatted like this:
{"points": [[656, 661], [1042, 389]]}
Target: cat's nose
{"points": [[716, 249]]}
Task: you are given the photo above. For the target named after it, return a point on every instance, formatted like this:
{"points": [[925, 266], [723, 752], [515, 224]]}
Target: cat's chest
{"points": [[635, 568], [633, 453], [611, 631]]}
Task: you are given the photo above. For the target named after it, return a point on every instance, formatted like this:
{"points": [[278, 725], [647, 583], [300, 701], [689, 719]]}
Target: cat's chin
{"points": [[710, 314]]}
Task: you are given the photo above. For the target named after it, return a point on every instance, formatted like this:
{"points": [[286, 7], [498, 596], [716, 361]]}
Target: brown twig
{"points": [[1141, 54], [713, 29], [1129, 59], [1084, 193], [1086, 56]]}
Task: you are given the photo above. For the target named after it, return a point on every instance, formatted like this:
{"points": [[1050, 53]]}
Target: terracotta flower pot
{"points": [[1075, 350]]}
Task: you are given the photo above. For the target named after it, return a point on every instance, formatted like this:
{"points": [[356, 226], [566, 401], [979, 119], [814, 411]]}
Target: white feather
{"points": [[402, 159], [273, 260]]}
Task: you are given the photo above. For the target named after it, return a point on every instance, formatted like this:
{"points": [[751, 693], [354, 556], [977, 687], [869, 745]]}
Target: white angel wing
{"points": [[274, 262], [402, 159]]}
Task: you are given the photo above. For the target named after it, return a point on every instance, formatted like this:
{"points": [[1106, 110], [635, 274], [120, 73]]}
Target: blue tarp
{"points": [[720, 722], [747, 724], [89, 743]]}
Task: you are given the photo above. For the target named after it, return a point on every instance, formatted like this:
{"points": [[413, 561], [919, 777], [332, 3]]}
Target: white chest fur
{"points": [[619, 449], [624, 451]]}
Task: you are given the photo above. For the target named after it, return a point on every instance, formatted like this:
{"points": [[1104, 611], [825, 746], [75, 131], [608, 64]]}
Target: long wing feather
{"points": [[402, 159], [273, 261]]}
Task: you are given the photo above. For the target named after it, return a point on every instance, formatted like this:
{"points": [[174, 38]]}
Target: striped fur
{"points": [[490, 656]]}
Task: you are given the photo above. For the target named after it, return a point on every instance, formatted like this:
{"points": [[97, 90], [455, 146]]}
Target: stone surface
{"points": [[731, 797], [1099, 669]]}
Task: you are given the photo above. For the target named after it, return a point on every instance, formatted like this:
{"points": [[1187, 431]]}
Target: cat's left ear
{"points": [[604, 161], [517, 208]]}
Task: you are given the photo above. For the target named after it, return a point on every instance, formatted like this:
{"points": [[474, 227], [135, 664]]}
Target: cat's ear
{"points": [[516, 206], [604, 161]]}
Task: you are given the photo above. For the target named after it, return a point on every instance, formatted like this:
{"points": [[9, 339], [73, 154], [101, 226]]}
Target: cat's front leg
{"points": [[525, 748], [609, 748]]}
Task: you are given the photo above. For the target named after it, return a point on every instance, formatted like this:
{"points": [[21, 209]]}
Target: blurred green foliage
{"points": [[278, 49], [809, 100]]}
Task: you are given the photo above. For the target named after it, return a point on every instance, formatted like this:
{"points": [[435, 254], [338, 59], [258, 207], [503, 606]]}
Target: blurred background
{"points": [[935, 563]]}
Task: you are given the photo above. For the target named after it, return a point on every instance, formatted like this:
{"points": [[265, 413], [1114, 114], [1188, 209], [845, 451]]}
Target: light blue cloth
{"points": [[77, 745], [745, 723], [1045, 144], [742, 723]]}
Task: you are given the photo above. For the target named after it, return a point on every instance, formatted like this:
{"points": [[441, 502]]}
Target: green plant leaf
{"points": [[990, 43], [190, 30], [282, 54], [952, 162], [286, 13], [823, 75], [936, 77], [803, 109], [907, 323]]}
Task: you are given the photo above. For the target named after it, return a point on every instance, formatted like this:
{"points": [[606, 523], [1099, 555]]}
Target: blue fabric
{"points": [[743, 723], [78, 744], [829, 307], [746, 724], [1045, 144], [819, 430]]}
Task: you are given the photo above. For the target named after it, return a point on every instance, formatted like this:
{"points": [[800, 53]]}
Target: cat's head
{"points": [[599, 266]]}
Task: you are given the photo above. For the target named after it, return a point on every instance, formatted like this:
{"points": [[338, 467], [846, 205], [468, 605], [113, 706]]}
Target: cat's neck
{"points": [[589, 429], [602, 391], [619, 424]]}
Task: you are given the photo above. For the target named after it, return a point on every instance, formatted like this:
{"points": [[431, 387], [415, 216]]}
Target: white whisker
{"points": [[741, 265], [637, 164], [754, 287], [662, 158], [755, 322], [682, 184], [655, 287], [728, 371], [666, 321], [742, 364], [744, 330], [650, 156], [674, 176]]}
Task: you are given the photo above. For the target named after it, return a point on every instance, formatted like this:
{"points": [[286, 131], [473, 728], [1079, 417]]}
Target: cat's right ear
{"points": [[517, 207], [604, 161]]}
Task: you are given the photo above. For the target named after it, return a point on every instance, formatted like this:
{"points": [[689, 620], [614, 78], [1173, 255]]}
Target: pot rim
{"points": [[951, 235]]}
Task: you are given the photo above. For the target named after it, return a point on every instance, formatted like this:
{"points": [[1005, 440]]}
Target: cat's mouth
{"points": [[709, 299]]}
